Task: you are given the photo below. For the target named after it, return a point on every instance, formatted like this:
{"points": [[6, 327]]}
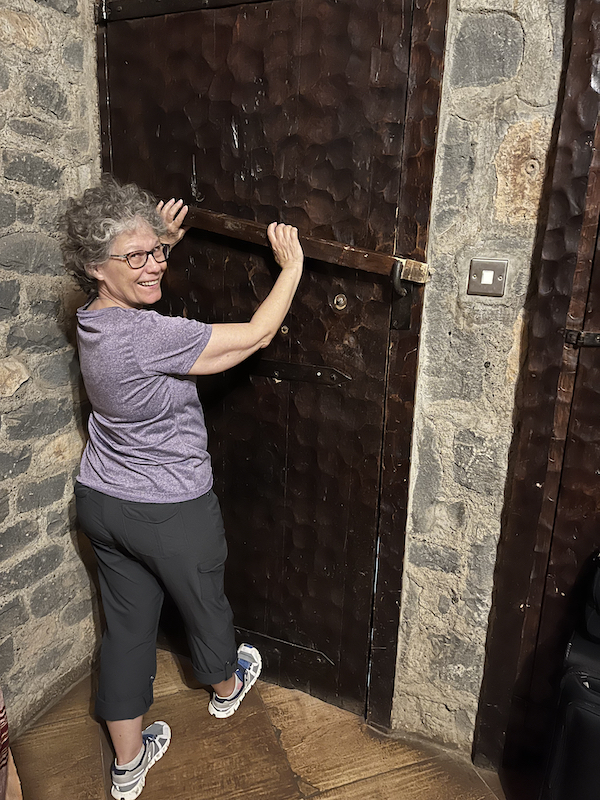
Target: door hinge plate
{"points": [[284, 371], [582, 338]]}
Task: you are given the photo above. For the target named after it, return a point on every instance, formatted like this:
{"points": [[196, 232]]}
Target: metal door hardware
{"points": [[340, 301], [283, 371], [402, 301], [582, 338]]}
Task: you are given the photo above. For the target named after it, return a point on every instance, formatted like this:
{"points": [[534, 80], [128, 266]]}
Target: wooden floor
{"points": [[280, 745]]}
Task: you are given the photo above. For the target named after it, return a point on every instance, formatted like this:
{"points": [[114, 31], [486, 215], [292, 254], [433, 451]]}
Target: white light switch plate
{"points": [[487, 276]]}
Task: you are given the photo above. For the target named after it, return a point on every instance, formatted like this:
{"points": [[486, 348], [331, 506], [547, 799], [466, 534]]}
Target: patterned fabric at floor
{"points": [[3, 747]]}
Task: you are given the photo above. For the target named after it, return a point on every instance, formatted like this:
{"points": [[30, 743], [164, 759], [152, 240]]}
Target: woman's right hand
{"points": [[286, 245], [173, 213]]}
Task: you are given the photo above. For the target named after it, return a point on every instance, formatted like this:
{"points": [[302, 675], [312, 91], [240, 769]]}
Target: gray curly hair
{"points": [[90, 224]]}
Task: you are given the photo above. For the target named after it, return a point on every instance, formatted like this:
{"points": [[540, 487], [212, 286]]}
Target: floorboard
{"points": [[280, 745]]}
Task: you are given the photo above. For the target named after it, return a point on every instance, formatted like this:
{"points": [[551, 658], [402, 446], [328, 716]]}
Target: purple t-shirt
{"points": [[147, 437]]}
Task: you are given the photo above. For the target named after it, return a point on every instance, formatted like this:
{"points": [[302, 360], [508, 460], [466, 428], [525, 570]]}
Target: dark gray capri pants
{"points": [[139, 546]]}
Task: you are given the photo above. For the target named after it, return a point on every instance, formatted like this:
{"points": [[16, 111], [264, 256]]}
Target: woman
{"points": [[144, 491]]}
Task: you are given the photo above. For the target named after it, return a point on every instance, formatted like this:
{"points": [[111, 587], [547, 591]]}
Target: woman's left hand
{"points": [[173, 213]]}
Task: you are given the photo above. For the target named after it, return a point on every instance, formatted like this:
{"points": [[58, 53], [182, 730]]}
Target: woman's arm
{"points": [[230, 344]]}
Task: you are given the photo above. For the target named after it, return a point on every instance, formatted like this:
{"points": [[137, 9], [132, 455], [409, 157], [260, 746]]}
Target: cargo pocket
{"points": [[211, 572], [153, 529]]}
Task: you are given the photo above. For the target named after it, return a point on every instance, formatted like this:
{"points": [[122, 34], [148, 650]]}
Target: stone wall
{"points": [[50, 149], [503, 64]]}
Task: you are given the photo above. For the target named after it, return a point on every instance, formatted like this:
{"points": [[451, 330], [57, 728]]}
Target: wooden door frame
{"points": [[562, 260], [418, 157]]}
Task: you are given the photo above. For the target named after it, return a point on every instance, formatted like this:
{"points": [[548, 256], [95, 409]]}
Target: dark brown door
{"points": [[552, 517], [292, 110]]}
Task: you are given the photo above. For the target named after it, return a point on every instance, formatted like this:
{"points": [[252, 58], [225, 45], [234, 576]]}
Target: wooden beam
{"points": [[135, 9], [321, 249]]}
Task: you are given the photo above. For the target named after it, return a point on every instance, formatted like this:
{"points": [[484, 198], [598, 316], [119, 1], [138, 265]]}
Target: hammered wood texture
{"points": [[534, 597], [297, 466], [293, 108]]}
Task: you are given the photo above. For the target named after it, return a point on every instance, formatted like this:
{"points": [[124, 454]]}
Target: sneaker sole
{"points": [[138, 789], [217, 712]]}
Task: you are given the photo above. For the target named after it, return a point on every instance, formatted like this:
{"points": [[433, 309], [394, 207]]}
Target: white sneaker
{"points": [[247, 671], [127, 784]]}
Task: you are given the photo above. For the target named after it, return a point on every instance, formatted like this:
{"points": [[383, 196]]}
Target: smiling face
{"points": [[118, 284]]}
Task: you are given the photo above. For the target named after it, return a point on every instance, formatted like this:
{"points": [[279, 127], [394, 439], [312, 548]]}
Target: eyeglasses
{"points": [[138, 259]]}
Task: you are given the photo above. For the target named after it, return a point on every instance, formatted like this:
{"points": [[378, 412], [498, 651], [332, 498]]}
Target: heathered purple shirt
{"points": [[147, 437]]}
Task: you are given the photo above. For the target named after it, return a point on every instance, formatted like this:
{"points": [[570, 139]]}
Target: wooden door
{"points": [[552, 518], [296, 110]]}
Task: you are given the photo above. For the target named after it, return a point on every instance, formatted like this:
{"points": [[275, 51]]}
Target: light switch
{"points": [[487, 276]]}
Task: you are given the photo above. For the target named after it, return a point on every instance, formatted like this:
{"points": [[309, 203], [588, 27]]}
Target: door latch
{"points": [[582, 338], [402, 302]]}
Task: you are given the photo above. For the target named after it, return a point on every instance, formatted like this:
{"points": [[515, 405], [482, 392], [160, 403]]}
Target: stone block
{"points": [[441, 559], [42, 306], [22, 30], [73, 54], [58, 369], [4, 506], [30, 169], [31, 254], [4, 78], [476, 463], [36, 337], [52, 659], [38, 494], [64, 450], [39, 418], [32, 128], [14, 462], [46, 94], [8, 210], [455, 357], [9, 299], [457, 165], [7, 655], [52, 595], [58, 523], [12, 615], [68, 7], [17, 538], [13, 374], [32, 569], [488, 50], [428, 479], [520, 168], [457, 662], [76, 611], [25, 212]]}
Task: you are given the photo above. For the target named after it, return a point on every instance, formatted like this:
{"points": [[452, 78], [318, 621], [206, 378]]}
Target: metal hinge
{"points": [[582, 338]]}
